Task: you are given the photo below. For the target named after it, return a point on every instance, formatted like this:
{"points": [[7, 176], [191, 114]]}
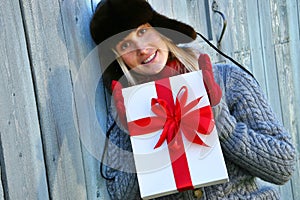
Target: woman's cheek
{"points": [[129, 60]]}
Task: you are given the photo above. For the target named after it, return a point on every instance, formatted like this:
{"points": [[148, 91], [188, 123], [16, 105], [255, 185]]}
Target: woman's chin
{"points": [[149, 70]]}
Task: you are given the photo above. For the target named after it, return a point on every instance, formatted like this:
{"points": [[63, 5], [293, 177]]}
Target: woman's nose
{"points": [[141, 47], [143, 50]]}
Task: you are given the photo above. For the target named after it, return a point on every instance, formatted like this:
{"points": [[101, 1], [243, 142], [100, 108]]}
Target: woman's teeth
{"points": [[149, 59]]}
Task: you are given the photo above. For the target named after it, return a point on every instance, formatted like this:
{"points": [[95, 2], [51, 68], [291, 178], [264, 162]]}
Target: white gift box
{"points": [[157, 168]]}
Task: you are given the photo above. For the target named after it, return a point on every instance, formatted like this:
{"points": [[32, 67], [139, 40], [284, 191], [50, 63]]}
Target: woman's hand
{"points": [[213, 89], [116, 88]]}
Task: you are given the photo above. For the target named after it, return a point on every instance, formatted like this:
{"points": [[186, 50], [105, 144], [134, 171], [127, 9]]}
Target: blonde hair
{"points": [[185, 55]]}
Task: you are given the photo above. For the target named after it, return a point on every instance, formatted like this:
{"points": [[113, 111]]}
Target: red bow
{"points": [[172, 120]]}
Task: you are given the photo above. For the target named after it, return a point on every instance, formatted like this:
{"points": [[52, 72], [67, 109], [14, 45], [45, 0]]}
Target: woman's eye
{"points": [[142, 31], [125, 45]]}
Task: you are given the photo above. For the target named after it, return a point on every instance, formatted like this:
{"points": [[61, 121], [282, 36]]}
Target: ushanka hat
{"points": [[115, 16], [114, 19]]}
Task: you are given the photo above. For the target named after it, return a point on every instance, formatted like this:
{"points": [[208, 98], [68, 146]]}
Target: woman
{"points": [[254, 143]]}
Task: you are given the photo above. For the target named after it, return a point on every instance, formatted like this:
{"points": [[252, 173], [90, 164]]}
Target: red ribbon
{"points": [[174, 118]]}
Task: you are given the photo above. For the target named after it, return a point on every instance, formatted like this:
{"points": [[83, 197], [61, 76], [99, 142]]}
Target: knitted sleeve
{"points": [[250, 134], [120, 165]]}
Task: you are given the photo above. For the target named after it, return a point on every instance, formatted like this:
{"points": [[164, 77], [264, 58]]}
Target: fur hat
{"points": [[115, 16], [114, 19]]}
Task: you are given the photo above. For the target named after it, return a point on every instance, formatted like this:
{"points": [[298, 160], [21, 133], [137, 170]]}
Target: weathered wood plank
{"points": [[287, 99], [283, 64], [280, 23], [293, 7], [84, 64], [191, 12], [239, 31], [265, 20], [257, 62], [1, 186], [22, 159], [91, 111], [235, 42], [51, 72], [227, 42], [198, 17], [164, 7]]}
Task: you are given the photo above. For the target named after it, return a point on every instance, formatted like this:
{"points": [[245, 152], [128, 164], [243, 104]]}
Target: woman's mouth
{"points": [[150, 58]]}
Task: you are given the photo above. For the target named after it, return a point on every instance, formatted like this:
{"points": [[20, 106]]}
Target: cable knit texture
{"points": [[253, 141]]}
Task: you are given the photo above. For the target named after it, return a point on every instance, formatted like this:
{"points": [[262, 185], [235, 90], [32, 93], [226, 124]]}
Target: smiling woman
{"points": [[47, 150], [148, 50]]}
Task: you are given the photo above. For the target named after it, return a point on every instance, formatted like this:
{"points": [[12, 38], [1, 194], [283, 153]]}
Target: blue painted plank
{"points": [[23, 172]]}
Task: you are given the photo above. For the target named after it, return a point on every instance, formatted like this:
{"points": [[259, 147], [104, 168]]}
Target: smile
{"points": [[150, 58]]}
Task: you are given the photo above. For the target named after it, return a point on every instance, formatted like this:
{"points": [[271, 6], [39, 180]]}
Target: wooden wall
{"points": [[50, 136], [264, 36]]}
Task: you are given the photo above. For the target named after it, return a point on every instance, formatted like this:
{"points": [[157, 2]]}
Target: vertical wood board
{"points": [[51, 73], [280, 22], [227, 41], [287, 99], [76, 16], [293, 7], [191, 12], [269, 56], [239, 30], [1, 186], [22, 159], [257, 62]]}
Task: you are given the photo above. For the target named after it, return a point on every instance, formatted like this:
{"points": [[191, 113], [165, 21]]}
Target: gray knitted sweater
{"points": [[254, 144]]}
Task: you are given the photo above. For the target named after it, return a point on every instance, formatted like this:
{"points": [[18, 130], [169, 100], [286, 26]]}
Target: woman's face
{"points": [[143, 50]]}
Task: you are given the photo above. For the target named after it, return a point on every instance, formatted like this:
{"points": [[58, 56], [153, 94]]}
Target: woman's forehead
{"points": [[132, 32], [147, 25]]}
